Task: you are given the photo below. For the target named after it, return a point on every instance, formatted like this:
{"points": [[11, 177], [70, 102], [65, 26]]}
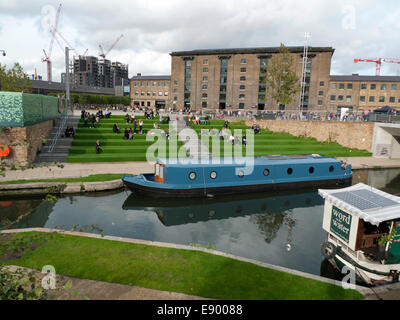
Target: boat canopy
{"points": [[370, 204]]}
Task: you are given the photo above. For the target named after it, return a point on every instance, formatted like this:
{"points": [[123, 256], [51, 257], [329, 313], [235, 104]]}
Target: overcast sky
{"points": [[153, 29]]}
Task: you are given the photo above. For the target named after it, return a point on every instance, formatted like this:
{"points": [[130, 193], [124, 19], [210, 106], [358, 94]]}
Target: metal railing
{"points": [[64, 120]]}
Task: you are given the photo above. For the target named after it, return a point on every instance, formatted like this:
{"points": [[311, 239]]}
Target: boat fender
{"points": [[328, 250]]}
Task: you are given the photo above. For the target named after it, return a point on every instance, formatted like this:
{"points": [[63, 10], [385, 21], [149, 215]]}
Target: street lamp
{"points": [[4, 54]]}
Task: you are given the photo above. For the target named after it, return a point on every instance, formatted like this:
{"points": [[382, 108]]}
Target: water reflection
{"points": [[283, 229]]}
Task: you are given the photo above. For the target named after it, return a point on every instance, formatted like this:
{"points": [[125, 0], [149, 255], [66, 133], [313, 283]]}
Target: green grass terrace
{"points": [[116, 149], [191, 272]]}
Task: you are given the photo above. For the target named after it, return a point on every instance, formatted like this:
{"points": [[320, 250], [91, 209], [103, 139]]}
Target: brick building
{"points": [[150, 91], [232, 78], [360, 92]]}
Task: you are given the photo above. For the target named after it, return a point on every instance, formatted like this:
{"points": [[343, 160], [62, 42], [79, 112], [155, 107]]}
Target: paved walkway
{"points": [[76, 170], [68, 288]]}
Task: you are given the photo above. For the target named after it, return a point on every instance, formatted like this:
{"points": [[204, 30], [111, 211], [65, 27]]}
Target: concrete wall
{"points": [[349, 134], [386, 140], [24, 142]]}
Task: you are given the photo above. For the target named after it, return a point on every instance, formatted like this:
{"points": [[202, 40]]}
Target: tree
{"points": [[14, 79], [282, 81]]}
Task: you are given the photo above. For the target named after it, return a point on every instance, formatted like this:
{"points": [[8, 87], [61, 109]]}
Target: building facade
{"points": [[359, 93], [93, 72], [232, 79], [150, 91]]}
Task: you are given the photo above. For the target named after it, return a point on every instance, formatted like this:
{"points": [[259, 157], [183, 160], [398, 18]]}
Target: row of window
{"points": [[363, 99], [364, 86], [205, 70], [266, 172], [151, 83], [137, 93], [242, 78], [243, 60], [204, 104]]}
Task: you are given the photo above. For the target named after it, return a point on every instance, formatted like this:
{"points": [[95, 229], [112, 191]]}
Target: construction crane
{"points": [[378, 62], [68, 44], [47, 58], [102, 54]]}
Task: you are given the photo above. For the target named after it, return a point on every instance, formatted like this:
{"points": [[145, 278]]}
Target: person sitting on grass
{"points": [[116, 129], [127, 118], [130, 134], [156, 125], [98, 147], [126, 134]]}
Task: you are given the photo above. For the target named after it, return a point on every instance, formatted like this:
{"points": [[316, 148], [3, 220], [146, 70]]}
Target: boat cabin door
{"points": [[159, 173]]}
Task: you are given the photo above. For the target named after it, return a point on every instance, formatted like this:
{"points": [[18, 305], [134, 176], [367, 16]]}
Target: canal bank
{"points": [[79, 170], [294, 281]]}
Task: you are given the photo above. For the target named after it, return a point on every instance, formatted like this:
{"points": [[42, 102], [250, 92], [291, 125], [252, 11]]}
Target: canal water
{"points": [[283, 229]]}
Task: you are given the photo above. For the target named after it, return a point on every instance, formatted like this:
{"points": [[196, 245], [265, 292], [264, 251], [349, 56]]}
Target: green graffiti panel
{"points": [[23, 109], [32, 105], [11, 112]]}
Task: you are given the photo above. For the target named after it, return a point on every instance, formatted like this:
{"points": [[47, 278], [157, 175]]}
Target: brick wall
{"points": [[25, 142], [349, 134]]}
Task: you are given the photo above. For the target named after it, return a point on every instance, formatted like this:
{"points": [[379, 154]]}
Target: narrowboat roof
{"points": [[370, 204], [239, 161]]}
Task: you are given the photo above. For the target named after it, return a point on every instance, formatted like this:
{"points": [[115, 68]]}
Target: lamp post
{"points": [[67, 80], [4, 54]]}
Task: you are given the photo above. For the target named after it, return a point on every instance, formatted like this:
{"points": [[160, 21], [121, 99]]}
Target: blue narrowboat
{"points": [[172, 179]]}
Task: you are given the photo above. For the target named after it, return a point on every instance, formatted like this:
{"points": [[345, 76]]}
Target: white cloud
{"points": [[153, 29]]}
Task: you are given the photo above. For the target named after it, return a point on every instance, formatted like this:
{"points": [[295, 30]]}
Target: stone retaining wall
{"points": [[24, 142], [349, 134]]}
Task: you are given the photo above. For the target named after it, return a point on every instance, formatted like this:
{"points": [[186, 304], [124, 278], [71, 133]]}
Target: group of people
{"points": [[94, 117]]}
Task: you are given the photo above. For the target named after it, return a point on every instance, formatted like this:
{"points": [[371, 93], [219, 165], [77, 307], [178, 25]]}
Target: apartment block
{"points": [[232, 79]]}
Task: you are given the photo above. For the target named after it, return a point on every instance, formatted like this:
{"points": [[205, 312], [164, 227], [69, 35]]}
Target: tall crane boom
{"points": [[47, 58], [378, 62], [102, 54]]}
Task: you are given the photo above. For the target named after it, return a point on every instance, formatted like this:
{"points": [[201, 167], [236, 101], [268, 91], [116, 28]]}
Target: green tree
{"points": [[282, 81], [14, 79]]}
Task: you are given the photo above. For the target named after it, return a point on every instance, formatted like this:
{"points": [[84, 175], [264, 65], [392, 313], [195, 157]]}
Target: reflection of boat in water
{"points": [[176, 212], [363, 226]]}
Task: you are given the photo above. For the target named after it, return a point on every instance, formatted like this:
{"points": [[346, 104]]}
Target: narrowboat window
{"points": [[289, 171], [266, 172], [192, 175], [241, 173], [213, 175], [311, 170], [331, 168]]}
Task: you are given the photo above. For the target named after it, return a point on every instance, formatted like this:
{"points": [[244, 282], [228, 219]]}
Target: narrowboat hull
{"points": [[155, 192], [371, 274]]}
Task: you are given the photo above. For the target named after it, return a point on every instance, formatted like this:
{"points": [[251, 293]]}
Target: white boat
{"points": [[363, 226]]}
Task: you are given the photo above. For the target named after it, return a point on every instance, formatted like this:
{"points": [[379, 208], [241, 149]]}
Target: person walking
{"points": [[98, 146], [141, 126]]}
